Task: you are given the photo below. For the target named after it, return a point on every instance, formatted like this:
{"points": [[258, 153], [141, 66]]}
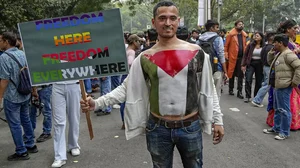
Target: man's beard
{"points": [[240, 28]]}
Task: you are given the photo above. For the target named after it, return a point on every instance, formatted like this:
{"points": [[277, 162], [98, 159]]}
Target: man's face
{"points": [[195, 35], [215, 28], [3, 44], [166, 21], [277, 45], [240, 26], [222, 34]]}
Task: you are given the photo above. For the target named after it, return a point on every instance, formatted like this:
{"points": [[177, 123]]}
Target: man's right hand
{"points": [[88, 105], [243, 68]]}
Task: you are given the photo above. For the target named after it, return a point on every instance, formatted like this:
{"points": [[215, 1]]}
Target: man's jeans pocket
{"points": [[193, 128], [151, 126]]}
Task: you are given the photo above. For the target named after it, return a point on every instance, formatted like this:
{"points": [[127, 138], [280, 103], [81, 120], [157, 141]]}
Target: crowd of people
{"points": [[174, 84]]}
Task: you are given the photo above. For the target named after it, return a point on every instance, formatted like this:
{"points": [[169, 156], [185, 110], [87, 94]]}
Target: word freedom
{"points": [[70, 21]]}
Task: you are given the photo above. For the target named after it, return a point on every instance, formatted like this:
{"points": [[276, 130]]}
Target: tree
{"points": [[17, 11], [275, 10]]}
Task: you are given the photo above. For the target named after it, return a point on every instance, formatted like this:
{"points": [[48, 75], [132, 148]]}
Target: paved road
{"points": [[244, 145]]}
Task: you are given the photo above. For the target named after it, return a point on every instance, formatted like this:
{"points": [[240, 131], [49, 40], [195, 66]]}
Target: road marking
{"points": [[234, 109]]}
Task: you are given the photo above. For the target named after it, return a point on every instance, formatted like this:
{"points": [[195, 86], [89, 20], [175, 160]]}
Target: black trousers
{"points": [[256, 67], [237, 73]]}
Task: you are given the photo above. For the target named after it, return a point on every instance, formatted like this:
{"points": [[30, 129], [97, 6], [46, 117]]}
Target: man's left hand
{"points": [[226, 77], [218, 134]]}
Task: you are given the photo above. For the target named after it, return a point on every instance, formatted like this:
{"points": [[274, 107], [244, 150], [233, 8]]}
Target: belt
{"points": [[174, 124]]}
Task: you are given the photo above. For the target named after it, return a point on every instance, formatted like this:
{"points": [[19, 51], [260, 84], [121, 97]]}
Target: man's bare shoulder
{"points": [[179, 45]]}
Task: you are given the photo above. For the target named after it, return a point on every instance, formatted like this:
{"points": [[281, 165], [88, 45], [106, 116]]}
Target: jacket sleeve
{"points": [[270, 57], [209, 101], [217, 114], [227, 43], [219, 45], [116, 96], [292, 60], [245, 57]]}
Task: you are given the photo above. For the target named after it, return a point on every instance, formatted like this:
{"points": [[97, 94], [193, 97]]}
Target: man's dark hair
{"points": [[10, 38], [237, 22], [209, 24], [162, 4], [282, 38], [223, 30], [152, 34], [286, 25], [194, 30], [182, 33], [270, 35]]}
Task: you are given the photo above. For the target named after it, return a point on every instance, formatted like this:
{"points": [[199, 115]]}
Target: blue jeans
{"points": [[264, 87], [44, 96], [17, 114], [115, 81], [105, 86], [161, 142], [122, 105], [88, 85], [283, 115]]}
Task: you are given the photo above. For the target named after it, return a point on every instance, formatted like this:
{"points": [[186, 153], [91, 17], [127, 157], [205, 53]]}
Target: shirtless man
{"points": [[175, 79]]}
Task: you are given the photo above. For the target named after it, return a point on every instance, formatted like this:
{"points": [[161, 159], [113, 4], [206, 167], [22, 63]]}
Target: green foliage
{"points": [[274, 10], [17, 11]]}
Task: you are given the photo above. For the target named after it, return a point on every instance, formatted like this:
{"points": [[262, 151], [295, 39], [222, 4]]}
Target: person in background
{"points": [[182, 33], [222, 33], [16, 105], [105, 87], [212, 29], [285, 66], [252, 64], [65, 98], [289, 28], [152, 38], [257, 100], [234, 50], [194, 37]]}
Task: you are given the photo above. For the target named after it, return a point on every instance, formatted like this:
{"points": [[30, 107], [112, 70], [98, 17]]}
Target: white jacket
{"points": [[135, 92]]}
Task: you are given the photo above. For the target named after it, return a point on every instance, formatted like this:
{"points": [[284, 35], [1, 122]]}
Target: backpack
{"points": [[208, 48], [24, 87]]}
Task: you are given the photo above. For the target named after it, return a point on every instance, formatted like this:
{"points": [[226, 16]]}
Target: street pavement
{"points": [[244, 144]]}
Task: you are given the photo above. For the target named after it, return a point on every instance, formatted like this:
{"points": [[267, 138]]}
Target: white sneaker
{"points": [[75, 152], [58, 163], [116, 106], [280, 137], [257, 104]]}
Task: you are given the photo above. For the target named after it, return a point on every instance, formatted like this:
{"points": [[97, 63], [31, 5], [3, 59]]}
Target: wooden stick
{"points": [[87, 114]]}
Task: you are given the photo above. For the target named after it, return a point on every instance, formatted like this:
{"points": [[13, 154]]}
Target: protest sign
{"points": [[74, 47]]}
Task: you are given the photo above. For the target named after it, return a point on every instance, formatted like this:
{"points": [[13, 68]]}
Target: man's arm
{"points": [[3, 86], [292, 60], [271, 56], [221, 55], [4, 75], [227, 42], [118, 95]]}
